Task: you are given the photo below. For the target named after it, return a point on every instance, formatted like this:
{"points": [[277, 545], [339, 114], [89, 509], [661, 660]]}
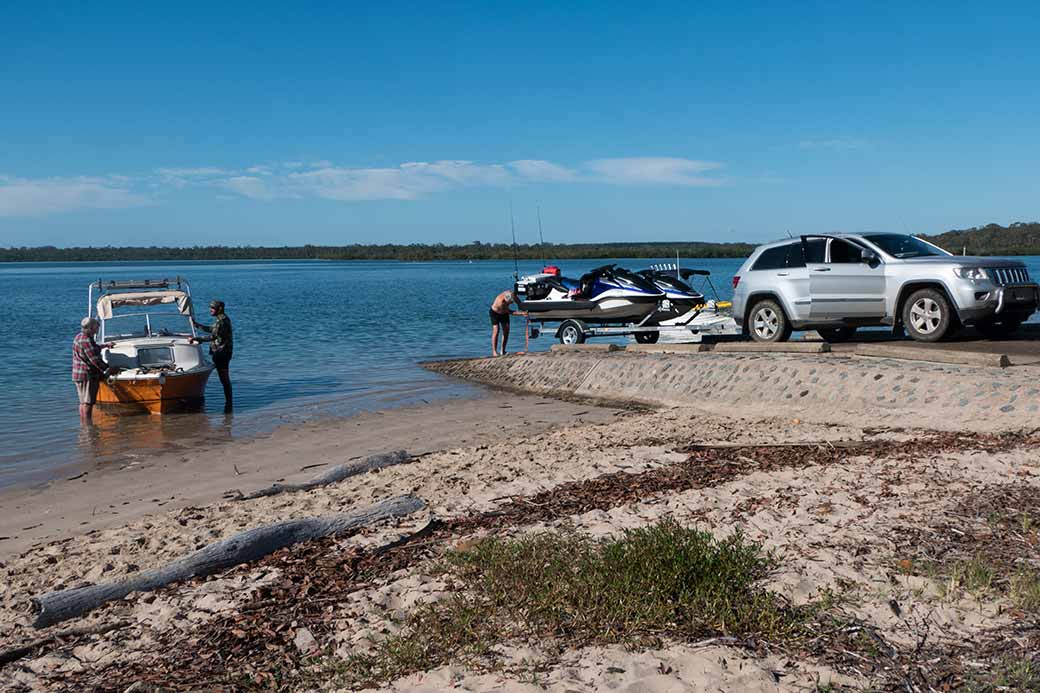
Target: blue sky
{"points": [[334, 123]]}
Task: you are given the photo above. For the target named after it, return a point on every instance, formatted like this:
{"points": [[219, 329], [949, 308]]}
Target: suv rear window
{"points": [[815, 250], [780, 257]]}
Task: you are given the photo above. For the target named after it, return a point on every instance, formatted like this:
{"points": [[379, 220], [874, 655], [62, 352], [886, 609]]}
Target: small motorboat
{"points": [[607, 294], [149, 324]]}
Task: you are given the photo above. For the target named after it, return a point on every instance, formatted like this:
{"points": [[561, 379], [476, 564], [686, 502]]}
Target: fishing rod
{"points": [[516, 259], [541, 241]]}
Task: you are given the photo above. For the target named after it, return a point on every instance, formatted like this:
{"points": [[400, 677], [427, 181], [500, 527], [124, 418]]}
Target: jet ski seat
{"points": [[555, 283]]}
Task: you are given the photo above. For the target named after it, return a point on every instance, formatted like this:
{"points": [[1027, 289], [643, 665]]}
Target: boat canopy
{"points": [[109, 302]]}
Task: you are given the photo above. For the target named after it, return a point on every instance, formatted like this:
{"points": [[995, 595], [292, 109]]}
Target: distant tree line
{"points": [[408, 253], [1020, 238]]}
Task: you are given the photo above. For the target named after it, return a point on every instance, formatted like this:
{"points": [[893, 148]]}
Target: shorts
{"points": [[221, 359], [87, 390], [498, 318]]}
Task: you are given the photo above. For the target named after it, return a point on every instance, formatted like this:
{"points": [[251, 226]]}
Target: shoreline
{"points": [[85, 499], [115, 439]]}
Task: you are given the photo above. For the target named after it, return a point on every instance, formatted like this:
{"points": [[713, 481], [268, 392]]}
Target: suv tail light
{"points": [[736, 280]]}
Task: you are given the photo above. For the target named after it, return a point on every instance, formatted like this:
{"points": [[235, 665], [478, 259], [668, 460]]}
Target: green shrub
{"points": [[567, 587]]}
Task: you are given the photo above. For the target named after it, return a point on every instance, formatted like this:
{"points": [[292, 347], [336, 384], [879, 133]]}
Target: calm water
{"points": [[312, 339]]}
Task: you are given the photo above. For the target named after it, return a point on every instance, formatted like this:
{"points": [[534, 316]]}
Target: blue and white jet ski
{"points": [[607, 294], [680, 296]]}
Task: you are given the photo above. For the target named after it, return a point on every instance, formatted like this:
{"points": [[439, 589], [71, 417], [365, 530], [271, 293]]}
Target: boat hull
{"points": [[679, 307], [155, 395], [611, 310]]}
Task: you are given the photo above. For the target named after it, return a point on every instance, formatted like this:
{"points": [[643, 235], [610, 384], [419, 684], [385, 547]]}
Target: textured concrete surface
{"points": [[923, 353], [1022, 348], [773, 348], [668, 348], [586, 347], [823, 387]]}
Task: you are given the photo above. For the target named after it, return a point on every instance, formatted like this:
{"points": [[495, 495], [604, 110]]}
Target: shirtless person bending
{"points": [[499, 315]]}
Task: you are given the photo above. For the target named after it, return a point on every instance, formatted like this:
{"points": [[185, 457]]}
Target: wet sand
{"points": [[91, 499]]}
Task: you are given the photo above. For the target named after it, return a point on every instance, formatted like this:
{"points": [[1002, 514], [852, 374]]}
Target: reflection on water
{"points": [[112, 438]]}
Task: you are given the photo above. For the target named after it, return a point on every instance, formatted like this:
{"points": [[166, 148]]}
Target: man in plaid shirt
{"points": [[88, 368]]}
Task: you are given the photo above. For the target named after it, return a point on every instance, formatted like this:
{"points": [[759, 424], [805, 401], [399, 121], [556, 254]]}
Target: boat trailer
{"points": [[703, 321]]}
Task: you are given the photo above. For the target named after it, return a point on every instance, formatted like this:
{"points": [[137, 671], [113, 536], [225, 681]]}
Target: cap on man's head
{"points": [[88, 321]]}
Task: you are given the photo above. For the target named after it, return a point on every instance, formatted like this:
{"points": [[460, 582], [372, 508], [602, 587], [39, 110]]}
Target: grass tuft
{"points": [[1025, 590], [974, 576], [664, 579], [1008, 674]]}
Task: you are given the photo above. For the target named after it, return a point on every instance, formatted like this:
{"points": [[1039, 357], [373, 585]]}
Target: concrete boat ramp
{"points": [[894, 385]]}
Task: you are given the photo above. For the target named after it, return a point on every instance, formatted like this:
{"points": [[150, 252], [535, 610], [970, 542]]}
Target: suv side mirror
{"points": [[869, 257]]}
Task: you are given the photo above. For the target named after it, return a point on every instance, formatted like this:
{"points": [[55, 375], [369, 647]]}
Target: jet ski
{"points": [[607, 294], [674, 282]]}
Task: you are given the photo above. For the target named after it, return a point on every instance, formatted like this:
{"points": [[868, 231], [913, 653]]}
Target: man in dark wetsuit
{"points": [[221, 345], [499, 315]]}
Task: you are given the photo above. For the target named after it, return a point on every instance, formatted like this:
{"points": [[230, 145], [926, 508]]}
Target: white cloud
{"points": [[362, 184], [249, 186], [176, 178], [41, 197], [651, 170], [841, 143], [407, 181], [540, 170], [198, 172], [462, 172]]}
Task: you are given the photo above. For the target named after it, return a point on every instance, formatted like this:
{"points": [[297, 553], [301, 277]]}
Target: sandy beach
{"points": [[875, 530]]}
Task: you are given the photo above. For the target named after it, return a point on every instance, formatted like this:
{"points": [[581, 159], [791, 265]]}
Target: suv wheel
{"points": [[998, 329], [837, 334], [927, 315], [767, 322]]}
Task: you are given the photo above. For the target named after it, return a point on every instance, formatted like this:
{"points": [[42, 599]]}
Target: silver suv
{"points": [[836, 283]]}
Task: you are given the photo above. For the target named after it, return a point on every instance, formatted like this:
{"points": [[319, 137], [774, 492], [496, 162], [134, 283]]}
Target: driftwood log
{"points": [[337, 473], [16, 653], [55, 607]]}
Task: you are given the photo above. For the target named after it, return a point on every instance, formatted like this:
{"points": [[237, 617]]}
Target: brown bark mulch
{"points": [[254, 648]]}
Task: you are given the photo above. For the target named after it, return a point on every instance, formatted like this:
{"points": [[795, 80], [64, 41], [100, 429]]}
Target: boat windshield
{"points": [[633, 280], [670, 280], [901, 246], [133, 325]]}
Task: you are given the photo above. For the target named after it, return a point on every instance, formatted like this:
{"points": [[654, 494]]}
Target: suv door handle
{"points": [[822, 269], [781, 274]]}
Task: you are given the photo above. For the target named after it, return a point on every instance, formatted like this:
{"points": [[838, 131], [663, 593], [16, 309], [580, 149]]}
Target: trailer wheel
{"points": [[647, 337], [571, 332]]}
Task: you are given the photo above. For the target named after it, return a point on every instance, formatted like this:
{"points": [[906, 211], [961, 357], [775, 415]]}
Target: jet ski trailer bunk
{"points": [[613, 302]]}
